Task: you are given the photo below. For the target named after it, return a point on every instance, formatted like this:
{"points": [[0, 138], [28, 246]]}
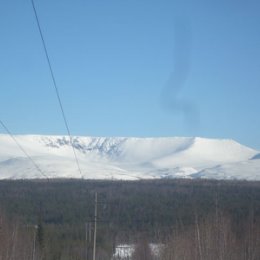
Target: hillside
{"points": [[128, 158]]}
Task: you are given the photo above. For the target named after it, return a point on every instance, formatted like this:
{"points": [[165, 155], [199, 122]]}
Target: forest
{"points": [[189, 219]]}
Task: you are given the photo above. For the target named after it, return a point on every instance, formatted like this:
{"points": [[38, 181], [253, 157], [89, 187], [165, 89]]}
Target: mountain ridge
{"points": [[119, 157]]}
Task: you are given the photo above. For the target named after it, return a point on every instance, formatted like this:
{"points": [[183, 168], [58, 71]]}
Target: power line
{"points": [[55, 85], [23, 150]]}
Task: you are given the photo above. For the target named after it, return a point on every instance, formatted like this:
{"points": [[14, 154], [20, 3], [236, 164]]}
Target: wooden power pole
{"points": [[34, 241]]}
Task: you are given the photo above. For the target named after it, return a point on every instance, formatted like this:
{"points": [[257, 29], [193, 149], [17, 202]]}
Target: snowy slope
{"points": [[249, 170], [128, 158]]}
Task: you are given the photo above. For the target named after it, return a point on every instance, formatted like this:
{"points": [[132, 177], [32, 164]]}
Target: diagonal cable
{"points": [[23, 150], [55, 85]]}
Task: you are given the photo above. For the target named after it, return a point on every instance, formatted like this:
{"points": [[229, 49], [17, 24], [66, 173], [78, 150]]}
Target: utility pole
{"points": [[95, 228], [34, 241]]}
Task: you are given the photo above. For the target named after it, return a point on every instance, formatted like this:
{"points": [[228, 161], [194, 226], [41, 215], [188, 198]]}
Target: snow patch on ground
{"points": [[126, 251]]}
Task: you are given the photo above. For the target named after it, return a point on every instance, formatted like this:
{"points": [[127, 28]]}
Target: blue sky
{"points": [[133, 68]]}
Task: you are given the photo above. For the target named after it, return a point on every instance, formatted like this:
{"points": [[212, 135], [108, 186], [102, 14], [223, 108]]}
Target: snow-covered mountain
{"points": [[127, 158]]}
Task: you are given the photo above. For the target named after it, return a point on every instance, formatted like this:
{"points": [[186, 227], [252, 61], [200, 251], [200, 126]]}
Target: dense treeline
{"points": [[192, 210]]}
